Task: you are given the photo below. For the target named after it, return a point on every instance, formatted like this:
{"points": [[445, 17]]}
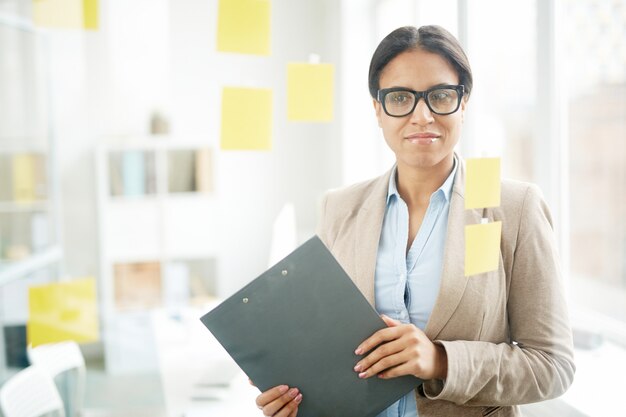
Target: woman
{"points": [[484, 343]]}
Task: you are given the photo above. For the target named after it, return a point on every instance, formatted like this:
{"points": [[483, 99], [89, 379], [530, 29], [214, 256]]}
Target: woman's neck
{"points": [[416, 184]]}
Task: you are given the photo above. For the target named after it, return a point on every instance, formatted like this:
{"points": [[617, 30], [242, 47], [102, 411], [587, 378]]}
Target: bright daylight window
{"points": [[595, 58]]}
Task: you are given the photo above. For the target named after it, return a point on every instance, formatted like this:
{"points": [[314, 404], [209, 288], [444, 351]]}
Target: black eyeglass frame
{"points": [[460, 90]]}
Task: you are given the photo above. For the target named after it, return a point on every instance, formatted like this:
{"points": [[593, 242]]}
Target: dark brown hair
{"points": [[433, 39]]}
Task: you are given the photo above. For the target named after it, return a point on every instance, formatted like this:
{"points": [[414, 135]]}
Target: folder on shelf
{"points": [[137, 285], [299, 324], [204, 175], [6, 178], [134, 173], [116, 175], [181, 171], [24, 178]]}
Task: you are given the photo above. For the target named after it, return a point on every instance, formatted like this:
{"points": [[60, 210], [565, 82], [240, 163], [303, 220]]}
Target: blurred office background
{"points": [[126, 212]]}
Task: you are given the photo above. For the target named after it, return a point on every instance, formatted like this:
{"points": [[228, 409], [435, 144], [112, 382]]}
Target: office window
{"points": [[501, 111], [595, 58]]}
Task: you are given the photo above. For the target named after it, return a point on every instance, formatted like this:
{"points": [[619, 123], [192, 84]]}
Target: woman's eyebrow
{"points": [[410, 89]]}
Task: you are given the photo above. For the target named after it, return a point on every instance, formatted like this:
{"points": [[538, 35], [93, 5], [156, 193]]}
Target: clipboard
{"points": [[298, 324]]}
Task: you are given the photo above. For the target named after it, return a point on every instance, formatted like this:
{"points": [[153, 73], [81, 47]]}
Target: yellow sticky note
{"points": [[90, 14], [482, 183], [63, 311], [310, 92], [246, 119], [24, 178], [482, 247], [66, 14], [243, 26]]}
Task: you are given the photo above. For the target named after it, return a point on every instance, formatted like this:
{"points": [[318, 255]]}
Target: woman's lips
{"points": [[423, 138]]}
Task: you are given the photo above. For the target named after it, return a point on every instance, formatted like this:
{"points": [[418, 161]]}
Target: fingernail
{"points": [[298, 399], [362, 374], [293, 392], [357, 368], [358, 351], [283, 389]]}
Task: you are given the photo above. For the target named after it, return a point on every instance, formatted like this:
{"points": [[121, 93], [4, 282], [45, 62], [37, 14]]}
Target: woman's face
{"points": [[421, 139]]}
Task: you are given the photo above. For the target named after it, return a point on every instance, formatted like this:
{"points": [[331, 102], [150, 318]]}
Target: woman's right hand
{"points": [[280, 401]]}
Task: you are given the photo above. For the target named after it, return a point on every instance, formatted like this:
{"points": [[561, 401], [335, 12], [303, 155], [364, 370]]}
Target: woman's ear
{"points": [[378, 108]]}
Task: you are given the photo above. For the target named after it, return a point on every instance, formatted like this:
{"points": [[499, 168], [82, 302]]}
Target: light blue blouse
{"points": [[406, 285]]}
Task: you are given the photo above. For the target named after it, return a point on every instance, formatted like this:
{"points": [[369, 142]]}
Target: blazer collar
{"points": [[453, 279], [369, 223]]}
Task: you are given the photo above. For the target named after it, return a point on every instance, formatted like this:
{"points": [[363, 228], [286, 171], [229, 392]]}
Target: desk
{"points": [[237, 400], [199, 378]]}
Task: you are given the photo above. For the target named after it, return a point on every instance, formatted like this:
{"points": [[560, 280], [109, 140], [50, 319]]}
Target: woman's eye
{"points": [[399, 98], [440, 96]]}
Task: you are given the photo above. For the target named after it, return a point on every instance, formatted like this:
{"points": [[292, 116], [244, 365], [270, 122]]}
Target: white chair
{"points": [[30, 393], [59, 358]]}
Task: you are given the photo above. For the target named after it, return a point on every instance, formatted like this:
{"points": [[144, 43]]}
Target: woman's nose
{"points": [[421, 114]]}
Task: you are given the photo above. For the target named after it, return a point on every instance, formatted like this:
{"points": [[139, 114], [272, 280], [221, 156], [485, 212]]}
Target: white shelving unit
{"points": [[30, 242], [157, 240]]}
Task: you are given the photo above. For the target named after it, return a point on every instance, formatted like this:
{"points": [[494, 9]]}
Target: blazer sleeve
{"points": [[538, 363]]}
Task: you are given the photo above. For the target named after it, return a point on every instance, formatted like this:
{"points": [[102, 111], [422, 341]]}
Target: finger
{"points": [[291, 409], [396, 371], [386, 349], [294, 413], [271, 395], [389, 321], [251, 383], [384, 364], [278, 404], [384, 335]]}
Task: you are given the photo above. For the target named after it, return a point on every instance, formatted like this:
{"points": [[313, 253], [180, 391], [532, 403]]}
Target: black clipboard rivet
{"points": [[284, 272], [245, 300]]}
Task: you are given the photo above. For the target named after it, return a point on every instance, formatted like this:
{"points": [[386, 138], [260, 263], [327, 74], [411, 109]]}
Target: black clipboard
{"points": [[298, 324]]}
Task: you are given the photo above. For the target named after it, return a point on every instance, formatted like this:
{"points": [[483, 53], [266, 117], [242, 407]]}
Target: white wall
{"points": [[252, 186], [105, 83], [160, 54]]}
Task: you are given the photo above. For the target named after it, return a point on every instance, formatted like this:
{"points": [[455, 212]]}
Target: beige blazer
{"points": [[506, 333]]}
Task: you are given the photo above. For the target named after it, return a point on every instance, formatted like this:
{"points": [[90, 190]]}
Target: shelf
{"points": [[16, 207], [153, 198], [17, 22], [134, 199], [18, 269], [157, 214], [29, 199]]}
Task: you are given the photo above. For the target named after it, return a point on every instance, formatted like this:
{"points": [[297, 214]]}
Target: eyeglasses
{"points": [[441, 100]]}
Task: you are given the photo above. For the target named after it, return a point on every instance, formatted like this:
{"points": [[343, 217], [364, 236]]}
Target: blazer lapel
{"points": [[453, 279], [369, 224]]}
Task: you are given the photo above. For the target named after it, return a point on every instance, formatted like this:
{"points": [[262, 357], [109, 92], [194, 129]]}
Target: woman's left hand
{"points": [[401, 349]]}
